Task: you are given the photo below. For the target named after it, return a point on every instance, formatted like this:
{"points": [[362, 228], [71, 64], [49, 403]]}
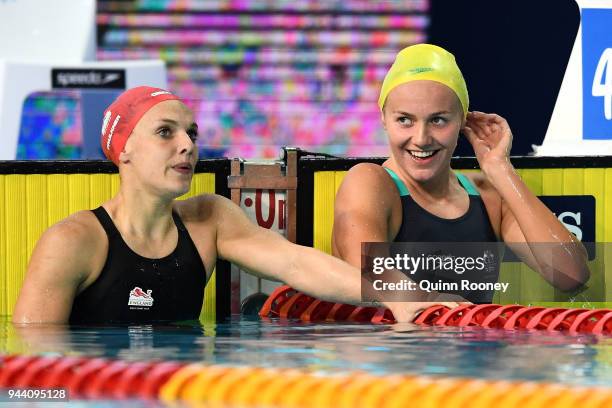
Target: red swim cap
{"points": [[123, 114]]}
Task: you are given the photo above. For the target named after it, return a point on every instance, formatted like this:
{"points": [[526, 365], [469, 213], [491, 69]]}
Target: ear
{"points": [[125, 155], [463, 122], [382, 118]]}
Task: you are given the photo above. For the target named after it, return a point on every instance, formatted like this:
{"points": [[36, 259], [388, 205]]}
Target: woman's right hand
{"points": [[491, 137], [406, 312]]}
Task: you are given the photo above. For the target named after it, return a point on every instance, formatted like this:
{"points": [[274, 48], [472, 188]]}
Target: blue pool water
{"points": [[336, 348]]}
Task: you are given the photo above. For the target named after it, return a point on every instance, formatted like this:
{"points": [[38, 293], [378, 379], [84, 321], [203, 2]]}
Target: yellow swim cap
{"points": [[425, 62]]}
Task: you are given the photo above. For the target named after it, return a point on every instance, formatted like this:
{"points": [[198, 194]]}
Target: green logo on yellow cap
{"points": [[420, 70]]}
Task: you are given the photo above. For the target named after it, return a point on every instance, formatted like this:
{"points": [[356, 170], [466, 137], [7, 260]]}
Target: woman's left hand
{"points": [[491, 138]]}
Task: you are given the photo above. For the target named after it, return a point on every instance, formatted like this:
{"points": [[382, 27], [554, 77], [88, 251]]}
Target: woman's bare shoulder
{"points": [[82, 227], [367, 189], [202, 208], [368, 179]]}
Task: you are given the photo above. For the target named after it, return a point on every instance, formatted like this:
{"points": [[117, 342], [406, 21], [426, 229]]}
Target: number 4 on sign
{"points": [[603, 87]]}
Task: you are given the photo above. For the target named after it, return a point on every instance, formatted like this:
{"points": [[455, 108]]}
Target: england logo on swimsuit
{"points": [[139, 297]]}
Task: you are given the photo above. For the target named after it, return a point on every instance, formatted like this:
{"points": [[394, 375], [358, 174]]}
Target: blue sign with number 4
{"points": [[597, 73]]}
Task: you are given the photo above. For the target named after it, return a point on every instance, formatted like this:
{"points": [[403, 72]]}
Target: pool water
{"points": [[335, 348]]}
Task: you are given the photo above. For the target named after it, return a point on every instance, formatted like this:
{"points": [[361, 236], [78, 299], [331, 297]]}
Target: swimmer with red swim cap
{"points": [[415, 196], [142, 256]]}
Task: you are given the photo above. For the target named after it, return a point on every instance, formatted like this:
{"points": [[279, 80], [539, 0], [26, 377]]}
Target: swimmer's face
{"points": [[161, 151], [423, 120]]}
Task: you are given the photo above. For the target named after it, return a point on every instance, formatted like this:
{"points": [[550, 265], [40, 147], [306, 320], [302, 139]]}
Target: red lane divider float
{"points": [[604, 325], [498, 317], [521, 317], [363, 314], [383, 316], [563, 321], [149, 387], [295, 305], [585, 322], [34, 373], [83, 375], [476, 315], [12, 369], [105, 381], [542, 319], [87, 378], [128, 381], [316, 311], [453, 316], [271, 307], [285, 302], [339, 312], [430, 316], [58, 374]]}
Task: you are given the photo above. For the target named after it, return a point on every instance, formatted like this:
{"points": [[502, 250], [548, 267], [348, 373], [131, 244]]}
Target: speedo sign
{"points": [[577, 214], [88, 78]]}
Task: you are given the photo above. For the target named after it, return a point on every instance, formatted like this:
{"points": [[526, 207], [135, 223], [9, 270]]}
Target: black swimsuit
{"points": [[419, 225], [135, 289]]}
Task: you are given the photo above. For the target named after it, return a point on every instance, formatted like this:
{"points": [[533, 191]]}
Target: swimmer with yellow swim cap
{"points": [[415, 196], [142, 256]]}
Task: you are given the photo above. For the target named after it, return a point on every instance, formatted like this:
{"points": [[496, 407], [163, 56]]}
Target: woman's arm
{"points": [[527, 225], [266, 254], [60, 263], [363, 211]]}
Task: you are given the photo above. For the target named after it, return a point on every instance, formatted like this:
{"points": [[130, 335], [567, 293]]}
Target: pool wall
{"points": [[36, 194], [572, 179]]}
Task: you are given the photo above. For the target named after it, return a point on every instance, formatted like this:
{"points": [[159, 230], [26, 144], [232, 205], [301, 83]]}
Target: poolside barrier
{"points": [[194, 384], [286, 302]]}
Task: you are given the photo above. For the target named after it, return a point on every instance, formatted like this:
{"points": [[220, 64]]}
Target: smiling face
{"points": [[161, 152], [423, 120]]}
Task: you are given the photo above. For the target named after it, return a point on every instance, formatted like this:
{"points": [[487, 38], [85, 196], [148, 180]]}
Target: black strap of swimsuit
{"points": [[106, 221], [178, 222]]}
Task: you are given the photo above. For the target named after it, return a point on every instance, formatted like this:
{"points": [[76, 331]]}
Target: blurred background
{"points": [[260, 74]]}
